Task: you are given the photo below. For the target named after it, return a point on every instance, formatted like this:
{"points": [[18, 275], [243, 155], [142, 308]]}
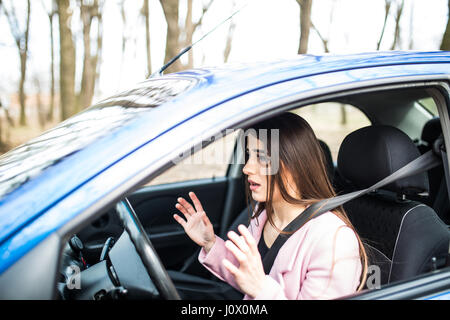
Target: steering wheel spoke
{"points": [[146, 251]]}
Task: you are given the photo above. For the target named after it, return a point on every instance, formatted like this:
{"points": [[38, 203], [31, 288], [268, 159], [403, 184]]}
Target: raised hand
{"points": [[249, 275], [197, 225]]}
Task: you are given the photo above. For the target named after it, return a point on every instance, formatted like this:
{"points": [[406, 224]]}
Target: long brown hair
{"points": [[301, 155]]}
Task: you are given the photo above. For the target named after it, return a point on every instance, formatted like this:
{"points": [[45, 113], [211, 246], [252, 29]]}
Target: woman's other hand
{"points": [[197, 225], [250, 274]]}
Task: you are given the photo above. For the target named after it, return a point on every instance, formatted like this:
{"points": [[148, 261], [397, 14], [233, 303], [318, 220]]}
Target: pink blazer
{"points": [[303, 268]]}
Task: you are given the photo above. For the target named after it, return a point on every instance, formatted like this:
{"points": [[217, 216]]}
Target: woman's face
{"points": [[258, 162], [256, 168]]}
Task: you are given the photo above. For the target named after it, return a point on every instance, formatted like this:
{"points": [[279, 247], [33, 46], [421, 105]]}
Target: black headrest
{"points": [[370, 154], [431, 130]]}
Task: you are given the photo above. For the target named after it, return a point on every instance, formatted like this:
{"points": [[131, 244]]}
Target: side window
{"points": [[430, 105], [209, 162], [332, 122]]}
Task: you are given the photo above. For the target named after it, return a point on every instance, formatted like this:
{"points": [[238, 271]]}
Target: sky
{"points": [[265, 30]]}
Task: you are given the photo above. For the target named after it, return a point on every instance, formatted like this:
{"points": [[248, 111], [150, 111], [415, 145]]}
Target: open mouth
{"points": [[253, 185]]}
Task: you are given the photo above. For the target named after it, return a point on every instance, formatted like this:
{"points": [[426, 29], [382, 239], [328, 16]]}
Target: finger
{"points": [[239, 241], [239, 255], [231, 267], [182, 210], [206, 219], [197, 203], [180, 220], [249, 239], [186, 205]]}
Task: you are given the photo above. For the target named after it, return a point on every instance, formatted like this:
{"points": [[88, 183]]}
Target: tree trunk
{"points": [[88, 13], [387, 7], [87, 75], [445, 44], [305, 24], [411, 28], [189, 28], [39, 104], [67, 60], [21, 38], [170, 8], [229, 41], [51, 110], [98, 56], [23, 68], [146, 14], [343, 114], [397, 25], [173, 41], [124, 39], [22, 96]]}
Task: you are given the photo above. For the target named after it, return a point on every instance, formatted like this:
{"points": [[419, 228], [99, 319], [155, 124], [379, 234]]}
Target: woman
{"points": [[323, 259]]}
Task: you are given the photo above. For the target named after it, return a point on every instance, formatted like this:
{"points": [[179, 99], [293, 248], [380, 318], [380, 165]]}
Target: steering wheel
{"points": [[146, 251]]}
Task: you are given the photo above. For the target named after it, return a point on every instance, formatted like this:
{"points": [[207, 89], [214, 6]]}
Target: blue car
{"points": [[86, 208]]}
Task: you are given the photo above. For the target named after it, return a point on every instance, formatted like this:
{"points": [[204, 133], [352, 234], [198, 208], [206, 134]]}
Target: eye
{"points": [[263, 159]]}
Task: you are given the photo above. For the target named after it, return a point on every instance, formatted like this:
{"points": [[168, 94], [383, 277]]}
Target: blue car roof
{"points": [[140, 123]]}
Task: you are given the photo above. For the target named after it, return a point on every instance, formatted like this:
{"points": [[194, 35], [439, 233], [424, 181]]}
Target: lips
{"points": [[253, 185]]}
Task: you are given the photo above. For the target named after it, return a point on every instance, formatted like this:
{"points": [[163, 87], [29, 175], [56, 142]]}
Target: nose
{"points": [[249, 167]]}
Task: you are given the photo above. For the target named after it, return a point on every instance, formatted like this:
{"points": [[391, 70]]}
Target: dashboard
{"points": [[118, 274]]}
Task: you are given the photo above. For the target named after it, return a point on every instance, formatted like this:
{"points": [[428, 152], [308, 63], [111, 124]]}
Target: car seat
{"points": [[402, 236]]}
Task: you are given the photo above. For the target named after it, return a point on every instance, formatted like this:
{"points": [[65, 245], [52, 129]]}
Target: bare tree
{"points": [[146, 14], [67, 60], [170, 8], [190, 27], [324, 41], [387, 8], [177, 37], [398, 16], [305, 24], [411, 28], [6, 122], [40, 107], [124, 36], [445, 44], [51, 15], [90, 11], [21, 38], [229, 40]]}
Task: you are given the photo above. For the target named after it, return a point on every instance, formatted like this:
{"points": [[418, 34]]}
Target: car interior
{"points": [[404, 225]]}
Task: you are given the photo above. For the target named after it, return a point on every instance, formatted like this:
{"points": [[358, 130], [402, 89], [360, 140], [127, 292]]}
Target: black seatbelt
{"points": [[423, 163]]}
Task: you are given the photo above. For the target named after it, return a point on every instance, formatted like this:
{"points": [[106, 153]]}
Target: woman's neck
{"points": [[285, 212]]}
